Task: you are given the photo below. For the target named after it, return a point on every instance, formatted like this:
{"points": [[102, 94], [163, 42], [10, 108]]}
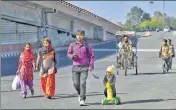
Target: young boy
{"points": [[111, 78]]}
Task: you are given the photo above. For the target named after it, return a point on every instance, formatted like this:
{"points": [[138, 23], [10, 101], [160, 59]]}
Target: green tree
{"points": [[173, 22], [135, 16], [154, 23], [144, 24]]}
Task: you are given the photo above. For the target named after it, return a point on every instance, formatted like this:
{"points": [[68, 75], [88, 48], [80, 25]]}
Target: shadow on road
{"points": [[135, 101], [142, 101], [37, 96], [170, 99], [155, 73], [96, 103], [10, 91], [60, 96], [146, 101]]}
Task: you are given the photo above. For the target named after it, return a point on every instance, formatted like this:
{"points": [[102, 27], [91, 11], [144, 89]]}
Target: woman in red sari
{"points": [[25, 69], [47, 60]]}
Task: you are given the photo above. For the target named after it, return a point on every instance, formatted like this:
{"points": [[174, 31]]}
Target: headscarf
{"points": [[49, 48], [28, 55]]}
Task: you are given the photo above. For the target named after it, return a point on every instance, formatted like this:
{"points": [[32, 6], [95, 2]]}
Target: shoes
{"points": [[32, 91], [79, 98], [24, 96], [82, 103], [49, 97]]}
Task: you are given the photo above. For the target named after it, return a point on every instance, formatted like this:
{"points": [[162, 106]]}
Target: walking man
{"points": [[171, 52], [83, 61], [164, 53]]}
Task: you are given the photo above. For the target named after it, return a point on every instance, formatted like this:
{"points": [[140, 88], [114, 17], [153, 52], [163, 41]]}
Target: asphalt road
{"points": [[150, 89]]}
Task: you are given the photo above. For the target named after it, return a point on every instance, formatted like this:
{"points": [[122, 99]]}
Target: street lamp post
{"points": [[163, 13], [139, 20], [151, 2]]}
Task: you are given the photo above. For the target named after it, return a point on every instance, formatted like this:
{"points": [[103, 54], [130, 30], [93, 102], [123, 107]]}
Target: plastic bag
{"points": [[16, 83]]}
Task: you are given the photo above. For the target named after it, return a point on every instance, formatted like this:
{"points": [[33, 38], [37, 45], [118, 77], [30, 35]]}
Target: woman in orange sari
{"points": [[47, 60]]}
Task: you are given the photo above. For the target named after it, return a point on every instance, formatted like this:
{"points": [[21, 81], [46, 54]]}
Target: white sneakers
{"points": [[79, 98], [81, 102]]}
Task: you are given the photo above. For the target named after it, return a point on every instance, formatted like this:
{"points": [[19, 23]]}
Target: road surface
{"points": [[150, 89]]}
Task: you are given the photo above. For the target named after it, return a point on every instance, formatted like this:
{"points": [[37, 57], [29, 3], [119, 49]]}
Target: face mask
{"points": [[27, 50]]}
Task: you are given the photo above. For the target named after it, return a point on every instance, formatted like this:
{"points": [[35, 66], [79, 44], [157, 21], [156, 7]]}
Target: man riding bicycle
{"points": [[125, 47], [122, 41]]}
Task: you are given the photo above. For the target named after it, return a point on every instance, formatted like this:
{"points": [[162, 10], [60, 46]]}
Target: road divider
{"points": [[12, 54]]}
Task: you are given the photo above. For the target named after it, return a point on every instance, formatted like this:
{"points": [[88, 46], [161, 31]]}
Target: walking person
{"points": [[47, 61], [164, 53], [83, 61], [171, 52], [25, 69]]}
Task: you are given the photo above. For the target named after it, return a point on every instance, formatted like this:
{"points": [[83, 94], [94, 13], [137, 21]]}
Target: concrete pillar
{"points": [[72, 25], [104, 35]]}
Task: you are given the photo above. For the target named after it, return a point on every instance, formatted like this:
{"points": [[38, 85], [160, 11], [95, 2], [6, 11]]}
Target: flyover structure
{"points": [[30, 21]]}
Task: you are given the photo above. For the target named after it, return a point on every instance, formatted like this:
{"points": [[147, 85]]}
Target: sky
{"points": [[117, 10]]}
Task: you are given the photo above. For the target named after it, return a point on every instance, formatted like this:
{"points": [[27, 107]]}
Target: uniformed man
{"points": [[127, 47], [164, 53], [171, 52]]}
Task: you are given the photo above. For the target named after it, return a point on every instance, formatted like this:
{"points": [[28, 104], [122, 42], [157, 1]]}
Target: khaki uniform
{"points": [[164, 52], [126, 50], [172, 54], [126, 47], [171, 50]]}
